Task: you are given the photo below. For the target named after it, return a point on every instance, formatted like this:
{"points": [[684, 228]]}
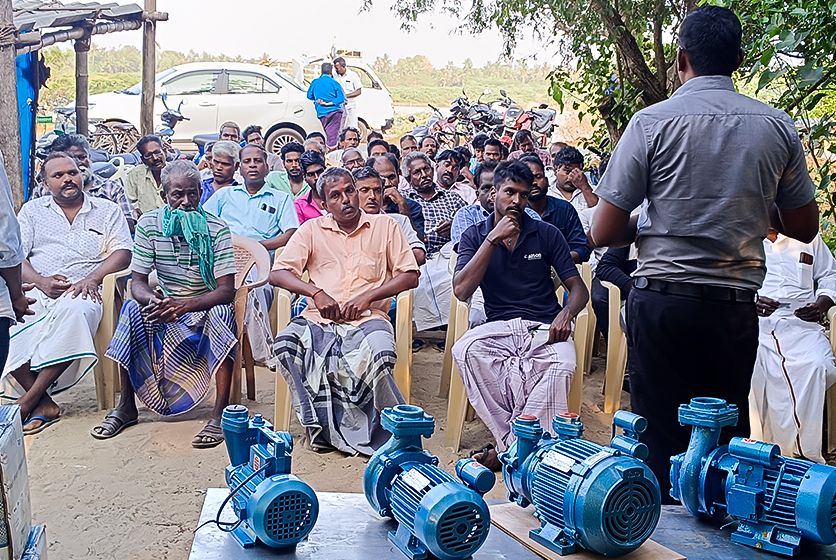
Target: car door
{"points": [[198, 91], [374, 104], [252, 98]]}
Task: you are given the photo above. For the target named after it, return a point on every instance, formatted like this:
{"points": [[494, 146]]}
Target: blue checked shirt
{"points": [[441, 207]]}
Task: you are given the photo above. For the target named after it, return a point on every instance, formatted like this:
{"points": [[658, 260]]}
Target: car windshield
{"points": [[291, 81], [137, 89]]}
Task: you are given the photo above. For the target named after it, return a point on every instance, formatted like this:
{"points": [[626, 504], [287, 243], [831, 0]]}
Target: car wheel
{"points": [[280, 137], [364, 130]]}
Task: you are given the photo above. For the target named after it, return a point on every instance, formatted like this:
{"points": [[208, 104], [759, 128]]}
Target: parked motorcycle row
{"points": [[467, 119]]}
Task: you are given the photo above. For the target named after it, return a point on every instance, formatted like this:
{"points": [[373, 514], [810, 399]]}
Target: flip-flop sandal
{"points": [[481, 452], [45, 423], [114, 423], [211, 431]]}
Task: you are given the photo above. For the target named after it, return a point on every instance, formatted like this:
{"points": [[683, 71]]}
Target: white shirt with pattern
{"points": [[55, 246]]}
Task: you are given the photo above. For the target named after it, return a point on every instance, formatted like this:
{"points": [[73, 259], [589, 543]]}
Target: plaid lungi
{"points": [[171, 365], [505, 377], [340, 379]]}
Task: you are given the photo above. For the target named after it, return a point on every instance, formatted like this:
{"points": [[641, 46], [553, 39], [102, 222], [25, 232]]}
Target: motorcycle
{"points": [[539, 121], [479, 117], [442, 128]]}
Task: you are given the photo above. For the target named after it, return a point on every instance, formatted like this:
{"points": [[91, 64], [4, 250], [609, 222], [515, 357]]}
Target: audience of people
{"points": [[366, 221]]}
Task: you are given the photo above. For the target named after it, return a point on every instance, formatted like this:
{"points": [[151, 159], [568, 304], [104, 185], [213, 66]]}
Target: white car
{"points": [[216, 92]]}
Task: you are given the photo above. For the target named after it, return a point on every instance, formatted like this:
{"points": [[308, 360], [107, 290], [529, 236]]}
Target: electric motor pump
{"points": [[603, 499], [272, 505], [776, 500], [436, 513]]}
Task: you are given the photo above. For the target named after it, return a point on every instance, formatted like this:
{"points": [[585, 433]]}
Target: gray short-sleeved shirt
{"points": [[707, 164]]}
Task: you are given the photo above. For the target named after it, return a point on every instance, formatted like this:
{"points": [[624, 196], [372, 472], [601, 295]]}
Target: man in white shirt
{"points": [[795, 363], [71, 241], [352, 87]]}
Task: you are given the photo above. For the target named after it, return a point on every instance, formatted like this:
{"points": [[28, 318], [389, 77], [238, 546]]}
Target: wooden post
{"points": [[149, 67], [9, 117], [82, 84]]}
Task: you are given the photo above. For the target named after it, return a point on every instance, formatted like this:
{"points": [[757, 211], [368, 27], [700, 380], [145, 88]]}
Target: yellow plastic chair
{"points": [[447, 365], [592, 332], [830, 398], [403, 347], [248, 253], [106, 372], [616, 351], [457, 404]]}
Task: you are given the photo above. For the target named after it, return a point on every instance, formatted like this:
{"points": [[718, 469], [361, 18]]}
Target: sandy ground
{"points": [[139, 495]]}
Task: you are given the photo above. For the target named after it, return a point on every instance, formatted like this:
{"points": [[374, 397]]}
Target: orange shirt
{"points": [[347, 265]]}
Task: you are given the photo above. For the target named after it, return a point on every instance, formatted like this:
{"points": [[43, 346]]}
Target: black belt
{"points": [[702, 291]]}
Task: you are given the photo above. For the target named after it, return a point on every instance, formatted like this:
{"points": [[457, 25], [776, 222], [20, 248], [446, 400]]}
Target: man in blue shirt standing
{"points": [[522, 360], [260, 212], [329, 98]]}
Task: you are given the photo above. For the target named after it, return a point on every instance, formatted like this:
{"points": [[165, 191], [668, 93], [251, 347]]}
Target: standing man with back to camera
{"points": [[693, 323]]}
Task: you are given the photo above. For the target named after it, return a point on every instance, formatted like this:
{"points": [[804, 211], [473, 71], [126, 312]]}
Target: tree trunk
{"points": [[9, 117], [634, 62]]}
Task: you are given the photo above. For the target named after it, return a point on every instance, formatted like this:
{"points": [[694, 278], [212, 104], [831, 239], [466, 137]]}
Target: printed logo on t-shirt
{"points": [[533, 257]]}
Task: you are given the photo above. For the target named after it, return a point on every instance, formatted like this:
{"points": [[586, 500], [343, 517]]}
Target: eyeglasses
{"points": [[150, 155]]}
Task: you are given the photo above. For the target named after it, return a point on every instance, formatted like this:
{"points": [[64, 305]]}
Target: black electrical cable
{"points": [[217, 521]]}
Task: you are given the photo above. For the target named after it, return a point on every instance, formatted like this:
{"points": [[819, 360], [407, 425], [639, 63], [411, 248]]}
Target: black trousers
{"points": [[5, 322], [601, 306], [683, 347]]}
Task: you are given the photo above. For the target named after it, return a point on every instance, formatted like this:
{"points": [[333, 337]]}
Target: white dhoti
{"points": [[61, 330], [349, 116], [257, 320], [794, 369], [431, 301]]}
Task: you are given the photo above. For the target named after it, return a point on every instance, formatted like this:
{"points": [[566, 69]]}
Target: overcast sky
{"points": [[285, 28]]}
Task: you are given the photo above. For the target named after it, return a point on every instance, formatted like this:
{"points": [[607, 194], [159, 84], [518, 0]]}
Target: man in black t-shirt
{"points": [[523, 359]]}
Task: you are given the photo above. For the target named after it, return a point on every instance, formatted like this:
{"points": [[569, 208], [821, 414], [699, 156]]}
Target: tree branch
{"points": [[818, 84]]}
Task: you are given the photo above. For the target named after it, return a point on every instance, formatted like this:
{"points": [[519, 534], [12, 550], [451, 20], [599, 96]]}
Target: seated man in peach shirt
{"points": [[339, 354]]}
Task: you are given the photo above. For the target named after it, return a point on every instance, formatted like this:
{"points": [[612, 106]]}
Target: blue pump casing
{"points": [[274, 507], [776, 500], [437, 515], [603, 499]]}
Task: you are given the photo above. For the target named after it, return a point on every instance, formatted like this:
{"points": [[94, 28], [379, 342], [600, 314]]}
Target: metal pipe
{"points": [[82, 83], [100, 28]]}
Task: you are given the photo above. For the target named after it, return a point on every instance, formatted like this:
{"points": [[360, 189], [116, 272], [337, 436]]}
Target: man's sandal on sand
{"points": [[212, 431], [113, 424], [45, 423]]}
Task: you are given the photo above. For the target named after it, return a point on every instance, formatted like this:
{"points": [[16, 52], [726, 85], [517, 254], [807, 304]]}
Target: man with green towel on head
{"points": [[171, 341]]}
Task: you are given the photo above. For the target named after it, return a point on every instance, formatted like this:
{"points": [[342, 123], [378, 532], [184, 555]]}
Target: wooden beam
{"points": [[82, 85], [9, 116], [149, 68]]}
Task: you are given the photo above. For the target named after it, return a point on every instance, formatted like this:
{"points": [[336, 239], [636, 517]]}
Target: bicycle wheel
{"points": [[103, 138]]}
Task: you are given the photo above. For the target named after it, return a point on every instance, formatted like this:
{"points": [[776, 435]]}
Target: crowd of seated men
{"points": [[347, 230]]}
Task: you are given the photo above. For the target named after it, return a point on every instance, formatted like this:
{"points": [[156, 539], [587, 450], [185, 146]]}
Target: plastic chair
{"points": [[457, 403], [592, 331], [403, 346], [616, 351], [450, 339], [830, 396], [248, 253], [106, 372]]}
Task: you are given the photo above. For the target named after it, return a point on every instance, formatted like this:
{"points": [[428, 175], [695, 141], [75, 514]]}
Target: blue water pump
{"points": [[272, 505], [603, 499], [776, 500], [436, 514]]}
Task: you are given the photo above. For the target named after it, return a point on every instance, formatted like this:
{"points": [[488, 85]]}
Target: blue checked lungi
{"points": [[171, 365]]}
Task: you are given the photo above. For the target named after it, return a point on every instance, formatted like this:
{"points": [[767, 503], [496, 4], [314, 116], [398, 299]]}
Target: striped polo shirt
{"points": [[178, 270]]}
